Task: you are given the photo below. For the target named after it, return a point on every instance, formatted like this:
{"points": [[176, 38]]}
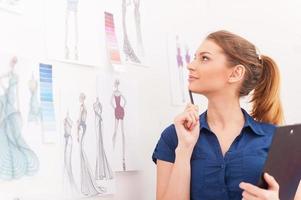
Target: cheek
{"points": [[212, 77]]}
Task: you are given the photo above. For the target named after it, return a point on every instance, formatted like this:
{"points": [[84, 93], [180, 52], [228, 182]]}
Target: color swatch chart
{"points": [[112, 44], [46, 97]]}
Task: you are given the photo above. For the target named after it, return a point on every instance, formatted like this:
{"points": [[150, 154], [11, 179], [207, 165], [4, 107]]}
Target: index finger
{"points": [[254, 190]]}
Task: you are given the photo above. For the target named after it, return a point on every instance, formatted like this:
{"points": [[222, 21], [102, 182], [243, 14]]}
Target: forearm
{"points": [[179, 183]]}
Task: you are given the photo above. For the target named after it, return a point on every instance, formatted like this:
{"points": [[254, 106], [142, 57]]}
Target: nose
{"points": [[191, 66]]}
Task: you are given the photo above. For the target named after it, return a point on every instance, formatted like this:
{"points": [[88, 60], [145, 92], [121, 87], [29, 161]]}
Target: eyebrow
{"points": [[203, 52]]}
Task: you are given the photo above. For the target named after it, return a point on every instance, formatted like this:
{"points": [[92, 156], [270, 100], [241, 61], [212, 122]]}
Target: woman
{"points": [[220, 154]]}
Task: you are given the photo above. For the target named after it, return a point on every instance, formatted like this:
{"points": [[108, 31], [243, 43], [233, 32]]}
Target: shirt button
{"points": [[222, 166]]}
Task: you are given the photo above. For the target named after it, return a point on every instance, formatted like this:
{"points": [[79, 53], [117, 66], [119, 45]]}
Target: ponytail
{"points": [[266, 95]]}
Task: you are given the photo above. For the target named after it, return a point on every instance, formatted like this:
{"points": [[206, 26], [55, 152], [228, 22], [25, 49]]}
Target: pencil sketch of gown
{"points": [[102, 170], [138, 27], [128, 49], [68, 123], [72, 9], [119, 116], [180, 68], [34, 113], [16, 157], [88, 184]]}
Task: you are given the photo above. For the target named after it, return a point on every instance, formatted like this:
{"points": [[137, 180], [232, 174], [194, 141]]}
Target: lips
{"points": [[191, 78]]}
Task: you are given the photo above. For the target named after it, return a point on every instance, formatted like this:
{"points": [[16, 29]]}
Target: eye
{"points": [[205, 58]]}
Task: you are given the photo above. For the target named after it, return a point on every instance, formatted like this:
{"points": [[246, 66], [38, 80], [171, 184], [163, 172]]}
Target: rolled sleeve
{"points": [[165, 148]]}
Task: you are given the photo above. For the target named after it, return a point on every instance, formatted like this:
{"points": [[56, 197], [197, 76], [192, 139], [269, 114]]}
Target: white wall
{"points": [[271, 25]]}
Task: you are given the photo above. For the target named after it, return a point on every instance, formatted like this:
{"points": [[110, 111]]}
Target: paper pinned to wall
{"points": [[13, 6], [120, 100], [129, 25], [73, 31], [20, 111], [86, 163]]}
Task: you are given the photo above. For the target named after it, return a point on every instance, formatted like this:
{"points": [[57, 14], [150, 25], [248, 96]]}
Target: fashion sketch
{"points": [[116, 102], [16, 157], [140, 48], [130, 54], [34, 113], [180, 67], [68, 123], [187, 55], [88, 183], [102, 170], [71, 32], [10, 2]]}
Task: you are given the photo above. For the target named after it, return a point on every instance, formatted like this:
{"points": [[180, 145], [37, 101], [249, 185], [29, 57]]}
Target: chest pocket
{"points": [[198, 167]]}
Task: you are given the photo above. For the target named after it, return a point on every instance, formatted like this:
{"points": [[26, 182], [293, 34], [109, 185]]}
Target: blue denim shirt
{"points": [[214, 176]]}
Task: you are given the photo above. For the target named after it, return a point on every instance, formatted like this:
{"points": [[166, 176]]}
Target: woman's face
{"points": [[208, 72]]}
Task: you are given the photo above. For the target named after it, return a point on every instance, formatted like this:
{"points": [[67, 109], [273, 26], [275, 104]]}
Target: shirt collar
{"points": [[249, 122], [254, 125]]}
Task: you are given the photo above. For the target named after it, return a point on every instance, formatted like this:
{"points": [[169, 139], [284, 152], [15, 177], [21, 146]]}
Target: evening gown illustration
{"points": [[16, 157], [68, 153], [140, 49], [34, 114], [102, 170], [88, 183], [187, 56], [72, 9], [180, 68], [127, 47]]}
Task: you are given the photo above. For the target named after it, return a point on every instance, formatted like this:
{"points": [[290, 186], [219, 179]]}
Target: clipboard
{"points": [[284, 160]]}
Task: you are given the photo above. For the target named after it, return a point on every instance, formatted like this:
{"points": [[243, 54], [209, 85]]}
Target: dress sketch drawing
{"points": [[16, 157], [34, 114], [180, 68], [116, 102], [103, 169], [68, 123], [88, 183], [129, 51], [71, 46]]}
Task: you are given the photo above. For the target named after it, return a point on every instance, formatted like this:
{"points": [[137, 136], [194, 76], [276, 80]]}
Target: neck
{"points": [[224, 111]]}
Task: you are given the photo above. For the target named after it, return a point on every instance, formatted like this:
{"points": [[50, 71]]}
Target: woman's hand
{"points": [[188, 127], [252, 192]]}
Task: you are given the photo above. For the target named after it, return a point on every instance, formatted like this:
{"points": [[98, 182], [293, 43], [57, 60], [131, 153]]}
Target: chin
{"points": [[197, 90], [193, 88]]}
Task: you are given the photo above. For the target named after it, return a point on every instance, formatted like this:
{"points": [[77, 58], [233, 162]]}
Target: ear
{"points": [[237, 73]]}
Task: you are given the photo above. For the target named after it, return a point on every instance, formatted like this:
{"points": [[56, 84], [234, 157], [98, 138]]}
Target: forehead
{"points": [[209, 46]]}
